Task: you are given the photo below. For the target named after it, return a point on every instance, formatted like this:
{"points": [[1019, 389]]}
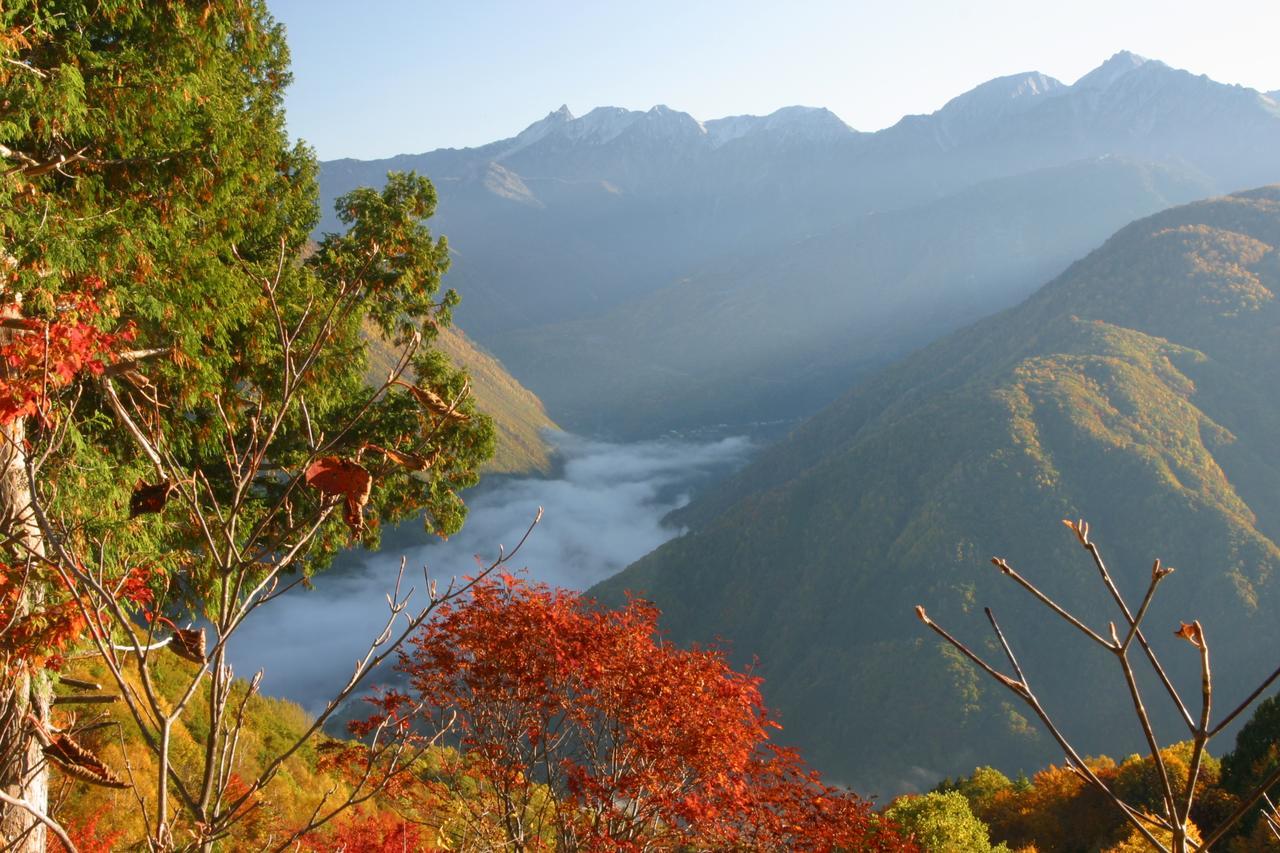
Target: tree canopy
{"points": [[184, 398]]}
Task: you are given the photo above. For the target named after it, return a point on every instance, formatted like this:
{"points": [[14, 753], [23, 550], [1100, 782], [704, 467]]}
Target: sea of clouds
{"points": [[602, 510]]}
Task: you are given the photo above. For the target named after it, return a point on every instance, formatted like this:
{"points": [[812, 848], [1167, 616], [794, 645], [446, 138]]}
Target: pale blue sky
{"points": [[386, 77]]}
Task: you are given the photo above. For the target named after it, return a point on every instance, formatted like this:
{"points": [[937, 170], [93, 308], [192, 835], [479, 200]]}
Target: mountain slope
{"points": [[517, 413], [781, 332], [1137, 390]]}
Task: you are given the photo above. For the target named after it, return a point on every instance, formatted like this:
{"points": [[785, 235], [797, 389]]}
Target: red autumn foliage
{"points": [[35, 635], [381, 832], [45, 355], [87, 837], [581, 727]]}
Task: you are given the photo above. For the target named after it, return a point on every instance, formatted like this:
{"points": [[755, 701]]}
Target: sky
{"points": [[389, 77]]}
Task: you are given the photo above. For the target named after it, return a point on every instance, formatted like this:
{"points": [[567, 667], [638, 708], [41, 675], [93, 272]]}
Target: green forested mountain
{"points": [[1137, 390]]}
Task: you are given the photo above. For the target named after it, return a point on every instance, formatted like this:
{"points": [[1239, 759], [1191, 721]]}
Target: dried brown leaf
{"points": [[346, 479], [189, 644], [433, 402], [1192, 633], [148, 498], [80, 763], [412, 461]]}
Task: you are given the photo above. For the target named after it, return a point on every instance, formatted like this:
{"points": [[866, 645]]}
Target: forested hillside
{"points": [[1135, 391]]}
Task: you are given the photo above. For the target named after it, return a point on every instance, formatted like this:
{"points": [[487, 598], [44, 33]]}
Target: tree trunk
{"points": [[23, 771]]}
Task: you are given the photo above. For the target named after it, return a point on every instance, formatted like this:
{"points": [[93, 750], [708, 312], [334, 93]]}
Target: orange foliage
{"points": [[87, 838], [584, 728], [1059, 811], [380, 832]]}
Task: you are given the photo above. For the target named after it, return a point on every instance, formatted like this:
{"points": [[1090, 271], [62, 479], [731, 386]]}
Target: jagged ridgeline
{"points": [[1138, 391]]}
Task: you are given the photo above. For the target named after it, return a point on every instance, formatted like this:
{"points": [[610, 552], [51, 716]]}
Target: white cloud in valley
{"points": [[602, 510]]}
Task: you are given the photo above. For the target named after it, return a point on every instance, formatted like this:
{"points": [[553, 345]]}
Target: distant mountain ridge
{"points": [[590, 219], [1136, 390]]}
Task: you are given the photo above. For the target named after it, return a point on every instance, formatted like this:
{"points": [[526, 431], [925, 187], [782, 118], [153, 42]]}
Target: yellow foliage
{"points": [[1135, 842]]}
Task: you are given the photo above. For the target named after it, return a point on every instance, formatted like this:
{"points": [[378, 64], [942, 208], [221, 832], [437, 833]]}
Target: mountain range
{"points": [[749, 269], [1136, 390]]}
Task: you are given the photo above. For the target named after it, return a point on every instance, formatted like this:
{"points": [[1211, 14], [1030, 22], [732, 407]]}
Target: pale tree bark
{"points": [[24, 773]]}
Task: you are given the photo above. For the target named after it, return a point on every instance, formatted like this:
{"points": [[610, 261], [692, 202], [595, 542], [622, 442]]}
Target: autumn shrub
{"points": [[941, 823], [581, 727], [1056, 811], [1134, 842]]}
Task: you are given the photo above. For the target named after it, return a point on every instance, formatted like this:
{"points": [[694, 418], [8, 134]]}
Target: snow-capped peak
{"points": [[793, 123], [604, 124], [663, 122], [540, 129], [1110, 71], [601, 124], [1002, 95], [973, 113]]}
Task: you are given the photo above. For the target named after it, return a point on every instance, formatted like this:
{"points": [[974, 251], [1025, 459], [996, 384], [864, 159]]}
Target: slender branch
{"points": [[139, 438], [1158, 573], [1021, 689], [52, 825], [1244, 706], [1008, 570], [1008, 652], [1202, 731], [1081, 529], [1144, 720]]}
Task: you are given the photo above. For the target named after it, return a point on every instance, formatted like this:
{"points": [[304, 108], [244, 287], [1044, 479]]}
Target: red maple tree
{"points": [[580, 728], [378, 832]]}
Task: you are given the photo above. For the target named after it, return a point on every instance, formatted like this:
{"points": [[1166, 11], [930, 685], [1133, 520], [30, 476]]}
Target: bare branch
{"points": [[52, 825], [1008, 570]]}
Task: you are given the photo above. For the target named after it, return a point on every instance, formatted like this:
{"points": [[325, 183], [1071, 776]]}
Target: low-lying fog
{"points": [[602, 510]]}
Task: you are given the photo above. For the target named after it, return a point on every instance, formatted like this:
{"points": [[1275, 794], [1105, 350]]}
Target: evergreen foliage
{"points": [[150, 198], [1256, 753]]}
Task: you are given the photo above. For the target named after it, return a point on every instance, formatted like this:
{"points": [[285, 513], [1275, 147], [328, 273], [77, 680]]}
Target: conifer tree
{"points": [[165, 341]]}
